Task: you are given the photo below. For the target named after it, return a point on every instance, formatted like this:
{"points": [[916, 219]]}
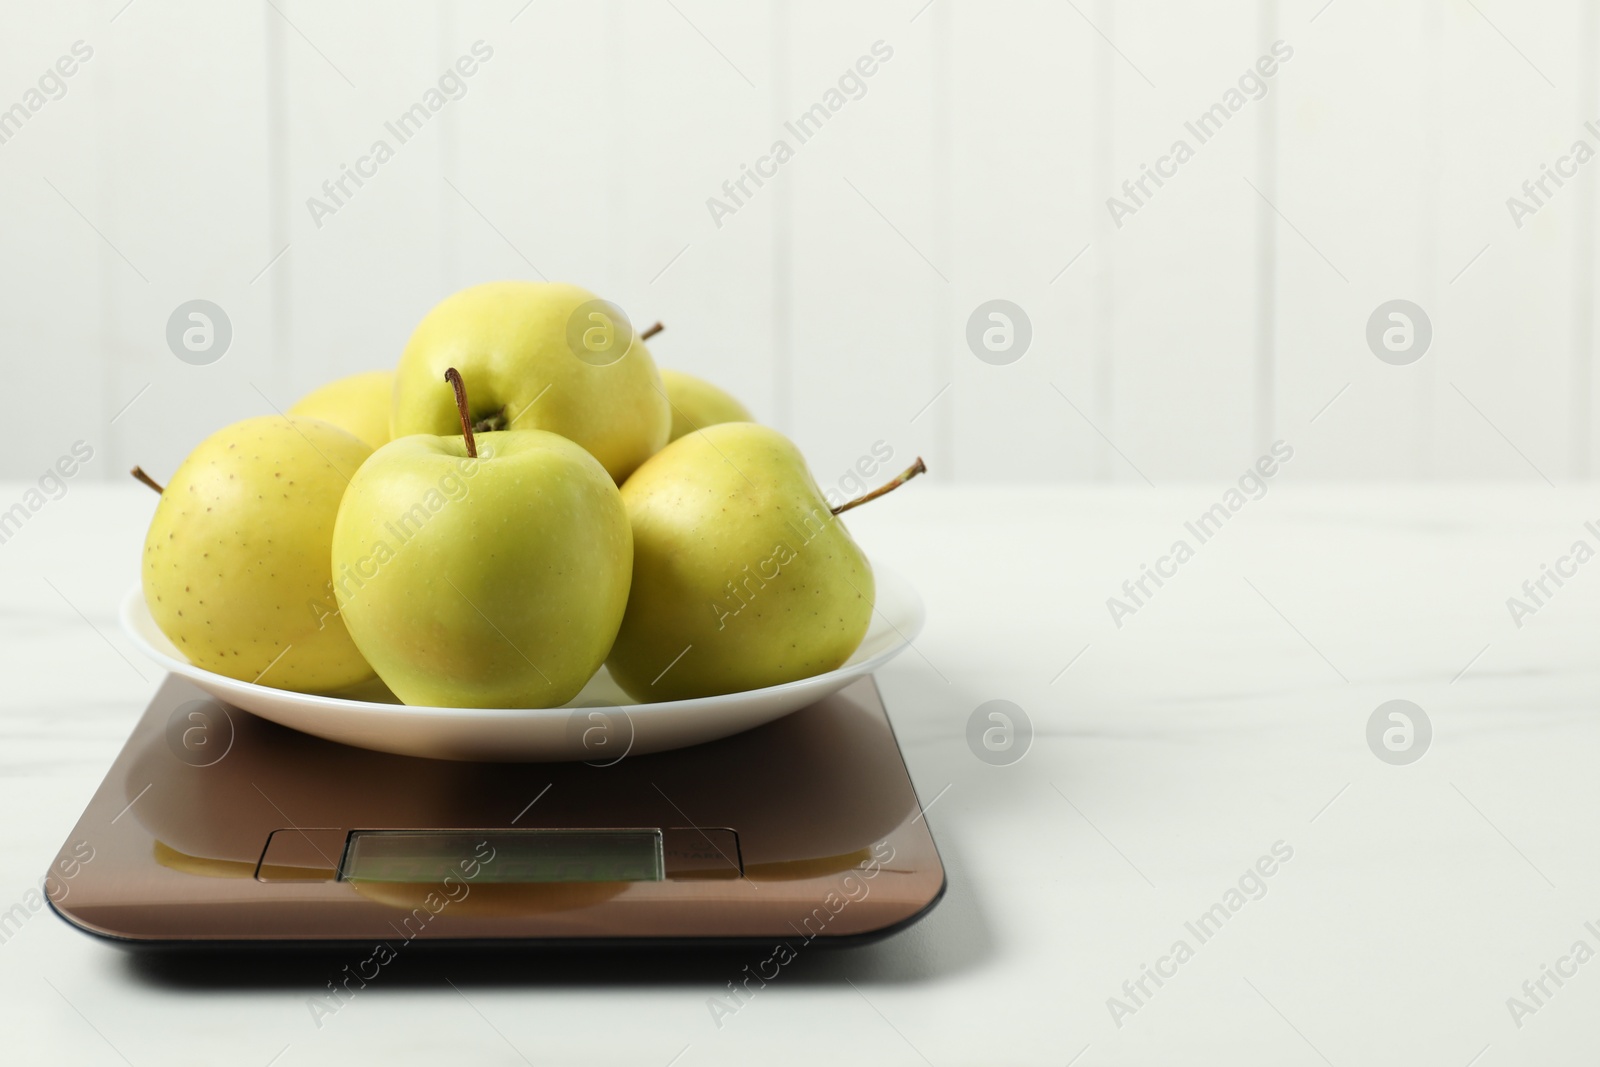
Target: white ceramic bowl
{"points": [[600, 725]]}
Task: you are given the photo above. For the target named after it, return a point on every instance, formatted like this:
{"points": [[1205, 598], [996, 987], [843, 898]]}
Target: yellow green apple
{"points": [[358, 404], [696, 403], [486, 575], [743, 577], [236, 565], [538, 356]]}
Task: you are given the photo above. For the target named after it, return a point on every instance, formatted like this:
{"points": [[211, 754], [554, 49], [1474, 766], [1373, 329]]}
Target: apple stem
{"points": [[650, 331], [453, 376], [138, 472], [900, 479]]}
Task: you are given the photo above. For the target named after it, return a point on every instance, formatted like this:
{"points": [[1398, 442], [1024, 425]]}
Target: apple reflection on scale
{"points": [[221, 826]]}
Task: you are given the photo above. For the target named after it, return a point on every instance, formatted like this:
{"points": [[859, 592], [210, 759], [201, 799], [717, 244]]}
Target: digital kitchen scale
{"points": [[216, 828]]}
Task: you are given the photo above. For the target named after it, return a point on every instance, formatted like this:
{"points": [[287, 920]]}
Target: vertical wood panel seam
{"points": [[445, 201], [1430, 206], [1266, 248], [1582, 355], [943, 365], [278, 278], [782, 228], [617, 203], [104, 100], [1105, 287]]}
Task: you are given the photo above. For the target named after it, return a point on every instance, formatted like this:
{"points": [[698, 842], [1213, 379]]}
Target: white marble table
{"points": [[1227, 716]]}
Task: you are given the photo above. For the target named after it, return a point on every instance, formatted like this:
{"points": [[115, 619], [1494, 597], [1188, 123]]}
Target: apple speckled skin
{"points": [[510, 342], [742, 576], [495, 582], [236, 562]]}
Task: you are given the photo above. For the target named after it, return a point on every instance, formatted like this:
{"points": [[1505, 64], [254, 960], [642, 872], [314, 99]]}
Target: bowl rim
{"points": [[134, 614]]}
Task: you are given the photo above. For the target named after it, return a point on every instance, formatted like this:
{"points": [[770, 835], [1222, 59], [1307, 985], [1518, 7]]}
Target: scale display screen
{"points": [[503, 856]]}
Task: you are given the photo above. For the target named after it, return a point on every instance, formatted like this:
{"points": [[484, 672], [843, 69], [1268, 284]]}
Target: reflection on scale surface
{"points": [[807, 821]]}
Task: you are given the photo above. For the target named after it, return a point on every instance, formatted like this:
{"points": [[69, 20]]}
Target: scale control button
{"points": [[301, 856], [709, 852]]}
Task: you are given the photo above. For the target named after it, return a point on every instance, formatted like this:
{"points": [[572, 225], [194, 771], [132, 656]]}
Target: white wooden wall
{"points": [[1228, 312]]}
